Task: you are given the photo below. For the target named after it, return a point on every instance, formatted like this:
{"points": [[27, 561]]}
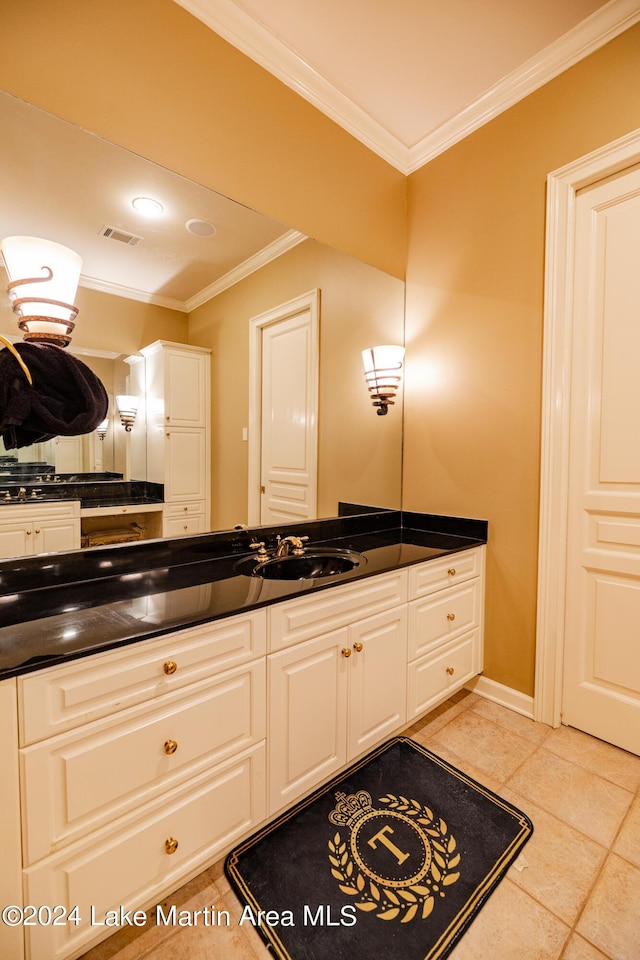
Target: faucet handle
{"points": [[259, 546]]}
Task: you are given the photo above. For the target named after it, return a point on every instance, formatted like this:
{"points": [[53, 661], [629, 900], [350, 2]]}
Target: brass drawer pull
{"points": [[346, 652], [170, 667], [170, 746], [170, 845], [358, 647], [451, 617], [451, 571], [450, 671]]}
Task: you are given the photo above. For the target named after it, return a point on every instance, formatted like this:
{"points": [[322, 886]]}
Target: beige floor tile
{"points": [[488, 746], [460, 763], [510, 720], [579, 949], [440, 716], [594, 806], [627, 842], [602, 758], [558, 866], [611, 919], [512, 926]]}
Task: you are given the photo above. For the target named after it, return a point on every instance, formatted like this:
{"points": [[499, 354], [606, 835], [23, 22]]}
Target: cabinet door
{"points": [[50, 536], [378, 679], [185, 469], [16, 540], [185, 386], [308, 716]]}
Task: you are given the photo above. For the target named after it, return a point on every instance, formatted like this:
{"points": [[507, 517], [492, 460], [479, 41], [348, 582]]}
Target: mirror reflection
{"points": [[198, 275]]}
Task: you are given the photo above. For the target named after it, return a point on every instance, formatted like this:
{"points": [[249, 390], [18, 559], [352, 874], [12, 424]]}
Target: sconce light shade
{"points": [[102, 428], [383, 374], [128, 409], [43, 280]]}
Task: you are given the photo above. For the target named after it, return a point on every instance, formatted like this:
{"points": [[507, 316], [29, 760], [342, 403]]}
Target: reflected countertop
{"points": [[57, 607]]}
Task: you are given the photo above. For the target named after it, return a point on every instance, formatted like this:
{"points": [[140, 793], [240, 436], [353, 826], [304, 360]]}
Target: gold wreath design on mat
{"points": [[399, 901]]}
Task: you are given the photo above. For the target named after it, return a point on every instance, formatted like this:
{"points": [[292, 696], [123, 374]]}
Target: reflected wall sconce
{"points": [[102, 428], [43, 280], [383, 375], [127, 409]]}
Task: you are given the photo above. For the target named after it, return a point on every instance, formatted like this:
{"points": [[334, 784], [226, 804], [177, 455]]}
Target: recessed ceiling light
{"points": [[201, 228], [148, 207]]}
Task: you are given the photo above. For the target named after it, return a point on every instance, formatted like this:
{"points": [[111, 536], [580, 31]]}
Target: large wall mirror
{"points": [[198, 275]]}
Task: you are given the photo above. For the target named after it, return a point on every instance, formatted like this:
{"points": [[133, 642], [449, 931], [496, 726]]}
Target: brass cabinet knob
{"points": [[451, 571], [346, 652], [451, 617], [170, 746], [171, 845], [28, 533], [450, 671], [185, 509], [358, 647], [37, 530], [170, 666]]}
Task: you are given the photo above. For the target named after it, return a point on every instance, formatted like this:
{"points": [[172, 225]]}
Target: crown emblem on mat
{"points": [[349, 809]]}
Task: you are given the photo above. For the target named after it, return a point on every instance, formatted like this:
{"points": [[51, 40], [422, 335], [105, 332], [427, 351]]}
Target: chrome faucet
{"points": [[285, 545]]}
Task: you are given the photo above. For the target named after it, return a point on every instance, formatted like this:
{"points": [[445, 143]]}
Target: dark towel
{"points": [[66, 398]]}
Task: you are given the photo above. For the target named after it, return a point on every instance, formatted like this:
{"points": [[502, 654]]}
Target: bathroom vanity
{"points": [[159, 705]]}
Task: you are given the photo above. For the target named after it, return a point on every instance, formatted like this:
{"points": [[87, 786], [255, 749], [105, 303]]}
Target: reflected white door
{"points": [[283, 418], [601, 681], [68, 454]]}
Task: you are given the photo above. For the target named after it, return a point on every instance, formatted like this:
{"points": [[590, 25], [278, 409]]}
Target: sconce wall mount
{"points": [[43, 280], [383, 375]]}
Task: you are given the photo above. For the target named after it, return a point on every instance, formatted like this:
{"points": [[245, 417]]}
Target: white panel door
{"points": [[287, 414], [601, 681]]}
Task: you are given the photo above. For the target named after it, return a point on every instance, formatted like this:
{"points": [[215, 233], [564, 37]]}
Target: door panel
{"points": [[601, 683]]}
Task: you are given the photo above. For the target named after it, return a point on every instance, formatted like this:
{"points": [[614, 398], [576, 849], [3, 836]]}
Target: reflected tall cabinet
{"points": [[178, 404]]}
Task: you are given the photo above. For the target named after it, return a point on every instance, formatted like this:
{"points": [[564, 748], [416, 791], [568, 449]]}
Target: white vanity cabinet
{"points": [[338, 693], [138, 768], [446, 617], [177, 403], [39, 527]]}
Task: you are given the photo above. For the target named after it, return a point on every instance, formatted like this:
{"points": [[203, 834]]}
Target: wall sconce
{"points": [[128, 409], [43, 280], [102, 428], [383, 374]]}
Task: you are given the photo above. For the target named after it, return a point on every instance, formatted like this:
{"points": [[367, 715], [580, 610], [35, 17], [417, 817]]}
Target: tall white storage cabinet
{"points": [[178, 401]]}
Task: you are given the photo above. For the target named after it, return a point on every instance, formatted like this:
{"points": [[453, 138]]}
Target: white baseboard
{"points": [[505, 696]]}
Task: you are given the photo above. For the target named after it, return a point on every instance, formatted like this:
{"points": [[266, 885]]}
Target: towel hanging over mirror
{"points": [[64, 399]]}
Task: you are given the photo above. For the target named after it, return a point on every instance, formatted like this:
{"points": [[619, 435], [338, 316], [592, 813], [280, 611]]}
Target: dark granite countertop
{"points": [[57, 607]]}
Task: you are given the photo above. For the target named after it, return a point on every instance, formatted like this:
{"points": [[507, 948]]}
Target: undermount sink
{"points": [[312, 565]]}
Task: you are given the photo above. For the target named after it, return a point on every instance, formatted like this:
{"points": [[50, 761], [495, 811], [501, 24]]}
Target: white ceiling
{"points": [[410, 77]]}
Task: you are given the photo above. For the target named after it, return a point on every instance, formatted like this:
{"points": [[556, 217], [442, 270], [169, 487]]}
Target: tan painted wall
{"points": [[360, 454], [148, 76], [474, 326]]}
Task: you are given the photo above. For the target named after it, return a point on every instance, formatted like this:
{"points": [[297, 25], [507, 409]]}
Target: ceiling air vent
{"points": [[112, 233]]}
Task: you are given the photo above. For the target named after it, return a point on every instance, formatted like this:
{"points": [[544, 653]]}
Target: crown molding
{"points": [[254, 40], [585, 38], [271, 252], [131, 293], [251, 38]]}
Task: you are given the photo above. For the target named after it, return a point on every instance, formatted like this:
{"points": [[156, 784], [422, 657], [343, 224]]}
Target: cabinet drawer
{"points": [[435, 677], [187, 526], [442, 616], [434, 575], [176, 511], [61, 698], [129, 865], [81, 780], [327, 610]]}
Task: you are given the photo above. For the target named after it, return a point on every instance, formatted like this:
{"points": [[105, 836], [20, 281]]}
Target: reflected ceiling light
{"points": [[102, 428], [127, 409], [43, 280], [383, 374], [147, 206]]}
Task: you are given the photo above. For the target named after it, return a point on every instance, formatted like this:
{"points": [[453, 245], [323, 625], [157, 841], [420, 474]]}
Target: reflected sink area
{"points": [[312, 565]]}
